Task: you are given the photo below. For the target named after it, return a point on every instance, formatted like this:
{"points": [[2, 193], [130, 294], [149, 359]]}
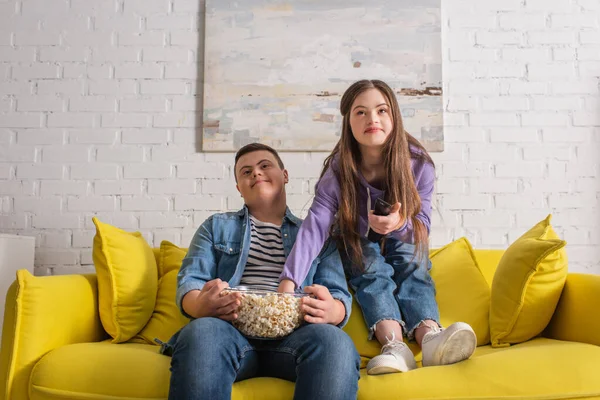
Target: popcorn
{"points": [[268, 314]]}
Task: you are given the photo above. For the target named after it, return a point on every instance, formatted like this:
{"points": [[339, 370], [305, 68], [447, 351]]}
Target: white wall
{"points": [[97, 116]]}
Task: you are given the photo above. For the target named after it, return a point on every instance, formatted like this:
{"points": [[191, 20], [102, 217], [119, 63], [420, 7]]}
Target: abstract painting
{"points": [[275, 70]]}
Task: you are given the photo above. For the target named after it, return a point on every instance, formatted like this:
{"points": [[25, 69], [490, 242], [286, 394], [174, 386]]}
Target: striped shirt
{"points": [[265, 258]]}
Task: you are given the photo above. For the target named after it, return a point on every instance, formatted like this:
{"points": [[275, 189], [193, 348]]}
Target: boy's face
{"points": [[260, 180]]}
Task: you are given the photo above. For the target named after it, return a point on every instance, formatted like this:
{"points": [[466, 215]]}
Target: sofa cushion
{"points": [[462, 292], [127, 280], [540, 368], [125, 371], [527, 285]]}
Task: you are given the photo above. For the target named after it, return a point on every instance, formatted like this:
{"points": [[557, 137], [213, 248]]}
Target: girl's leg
{"points": [[416, 300], [421, 330], [386, 329], [374, 290], [416, 290]]}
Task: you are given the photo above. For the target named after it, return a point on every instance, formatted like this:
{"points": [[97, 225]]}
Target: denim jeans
{"points": [[209, 355], [394, 286]]}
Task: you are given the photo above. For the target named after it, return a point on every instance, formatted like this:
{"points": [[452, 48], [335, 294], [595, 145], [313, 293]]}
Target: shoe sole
{"points": [[374, 369], [459, 346], [384, 370]]}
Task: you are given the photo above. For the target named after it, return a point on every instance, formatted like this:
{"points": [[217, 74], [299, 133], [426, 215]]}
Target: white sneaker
{"points": [[395, 357], [448, 346]]}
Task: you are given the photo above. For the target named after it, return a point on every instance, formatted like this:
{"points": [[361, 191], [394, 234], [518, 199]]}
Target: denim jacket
{"points": [[220, 249]]}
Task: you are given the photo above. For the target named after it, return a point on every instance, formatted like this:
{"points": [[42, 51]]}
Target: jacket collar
{"points": [[243, 213]]}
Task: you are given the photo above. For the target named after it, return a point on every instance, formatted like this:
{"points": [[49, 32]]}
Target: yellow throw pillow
{"points": [[462, 293], [527, 285], [170, 257], [127, 280], [166, 319]]}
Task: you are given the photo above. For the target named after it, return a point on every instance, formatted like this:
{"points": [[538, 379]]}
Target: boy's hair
{"points": [[399, 185], [251, 148]]}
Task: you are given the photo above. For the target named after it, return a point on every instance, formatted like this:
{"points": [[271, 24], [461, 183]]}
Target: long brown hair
{"points": [[399, 184]]}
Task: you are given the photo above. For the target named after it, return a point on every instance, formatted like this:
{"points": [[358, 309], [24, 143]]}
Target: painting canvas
{"points": [[275, 70]]}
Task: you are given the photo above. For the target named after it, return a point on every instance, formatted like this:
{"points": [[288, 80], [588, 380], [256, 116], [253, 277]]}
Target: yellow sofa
{"points": [[54, 347]]}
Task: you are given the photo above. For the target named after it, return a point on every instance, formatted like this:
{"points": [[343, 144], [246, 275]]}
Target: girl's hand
{"points": [[324, 309], [286, 286], [384, 224]]}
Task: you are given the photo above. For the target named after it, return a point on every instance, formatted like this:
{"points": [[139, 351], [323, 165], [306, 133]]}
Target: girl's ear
{"points": [[285, 176]]}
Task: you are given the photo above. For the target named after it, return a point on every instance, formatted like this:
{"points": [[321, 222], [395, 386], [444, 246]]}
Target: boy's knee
{"points": [[202, 328], [335, 342]]}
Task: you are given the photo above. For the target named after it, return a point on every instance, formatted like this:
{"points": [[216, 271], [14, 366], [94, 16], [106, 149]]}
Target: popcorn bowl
{"points": [[265, 314]]}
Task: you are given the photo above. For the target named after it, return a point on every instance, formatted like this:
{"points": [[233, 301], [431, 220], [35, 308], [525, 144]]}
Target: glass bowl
{"points": [[265, 314]]}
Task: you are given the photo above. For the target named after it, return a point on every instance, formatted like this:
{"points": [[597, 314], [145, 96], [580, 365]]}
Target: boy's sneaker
{"points": [[448, 346], [395, 357]]}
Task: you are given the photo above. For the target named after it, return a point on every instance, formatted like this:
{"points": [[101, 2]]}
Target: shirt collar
{"points": [[244, 213]]}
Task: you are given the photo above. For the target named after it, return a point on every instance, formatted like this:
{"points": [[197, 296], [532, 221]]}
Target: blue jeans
{"points": [[395, 285], [209, 355]]}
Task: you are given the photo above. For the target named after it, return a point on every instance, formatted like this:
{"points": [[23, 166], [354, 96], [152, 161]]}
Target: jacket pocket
{"points": [[229, 248]]}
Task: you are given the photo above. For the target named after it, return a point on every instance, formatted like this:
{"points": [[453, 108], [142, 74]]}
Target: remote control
{"points": [[381, 208]]}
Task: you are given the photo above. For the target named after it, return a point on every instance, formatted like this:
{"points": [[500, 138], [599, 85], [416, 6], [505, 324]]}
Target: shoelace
{"points": [[392, 344], [432, 333]]}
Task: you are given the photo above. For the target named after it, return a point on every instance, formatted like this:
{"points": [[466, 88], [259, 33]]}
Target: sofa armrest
{"points": [[575, 316], [42, 314]]}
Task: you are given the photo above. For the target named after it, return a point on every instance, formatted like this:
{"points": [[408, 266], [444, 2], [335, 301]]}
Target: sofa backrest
{"points": [[488, 262], [486, 258]]}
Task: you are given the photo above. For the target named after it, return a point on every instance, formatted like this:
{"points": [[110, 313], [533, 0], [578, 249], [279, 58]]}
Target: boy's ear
{"points": [[285, 176], [238, 188]]}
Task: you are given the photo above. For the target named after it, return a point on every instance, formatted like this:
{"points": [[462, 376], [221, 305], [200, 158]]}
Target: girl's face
{"points": [[371, 119]]}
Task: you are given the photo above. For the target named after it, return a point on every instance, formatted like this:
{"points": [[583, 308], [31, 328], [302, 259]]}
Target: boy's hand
{"points": [[324, 309], [209, 302], [384, 224], [286, 286]]}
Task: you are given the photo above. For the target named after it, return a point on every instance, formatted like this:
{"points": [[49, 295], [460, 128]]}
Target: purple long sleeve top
{"points": [[315, 229]]}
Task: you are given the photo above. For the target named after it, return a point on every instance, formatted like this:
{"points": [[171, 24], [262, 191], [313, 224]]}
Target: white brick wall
{"points": [[98, 108]]}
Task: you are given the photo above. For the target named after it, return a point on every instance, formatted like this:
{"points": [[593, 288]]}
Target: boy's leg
{"points": [[209, 355], [320, 358]]}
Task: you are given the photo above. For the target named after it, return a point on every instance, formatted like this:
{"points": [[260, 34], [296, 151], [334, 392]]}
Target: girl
{"points": [[375, 158]]}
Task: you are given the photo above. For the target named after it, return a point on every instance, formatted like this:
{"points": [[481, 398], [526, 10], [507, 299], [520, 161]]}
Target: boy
{"points": [[248, 248]]}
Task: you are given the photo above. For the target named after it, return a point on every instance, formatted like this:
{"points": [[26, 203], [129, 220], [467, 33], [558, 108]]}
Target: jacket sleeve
{"points": [[330, 273], [199, 265], [314, 231]]}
